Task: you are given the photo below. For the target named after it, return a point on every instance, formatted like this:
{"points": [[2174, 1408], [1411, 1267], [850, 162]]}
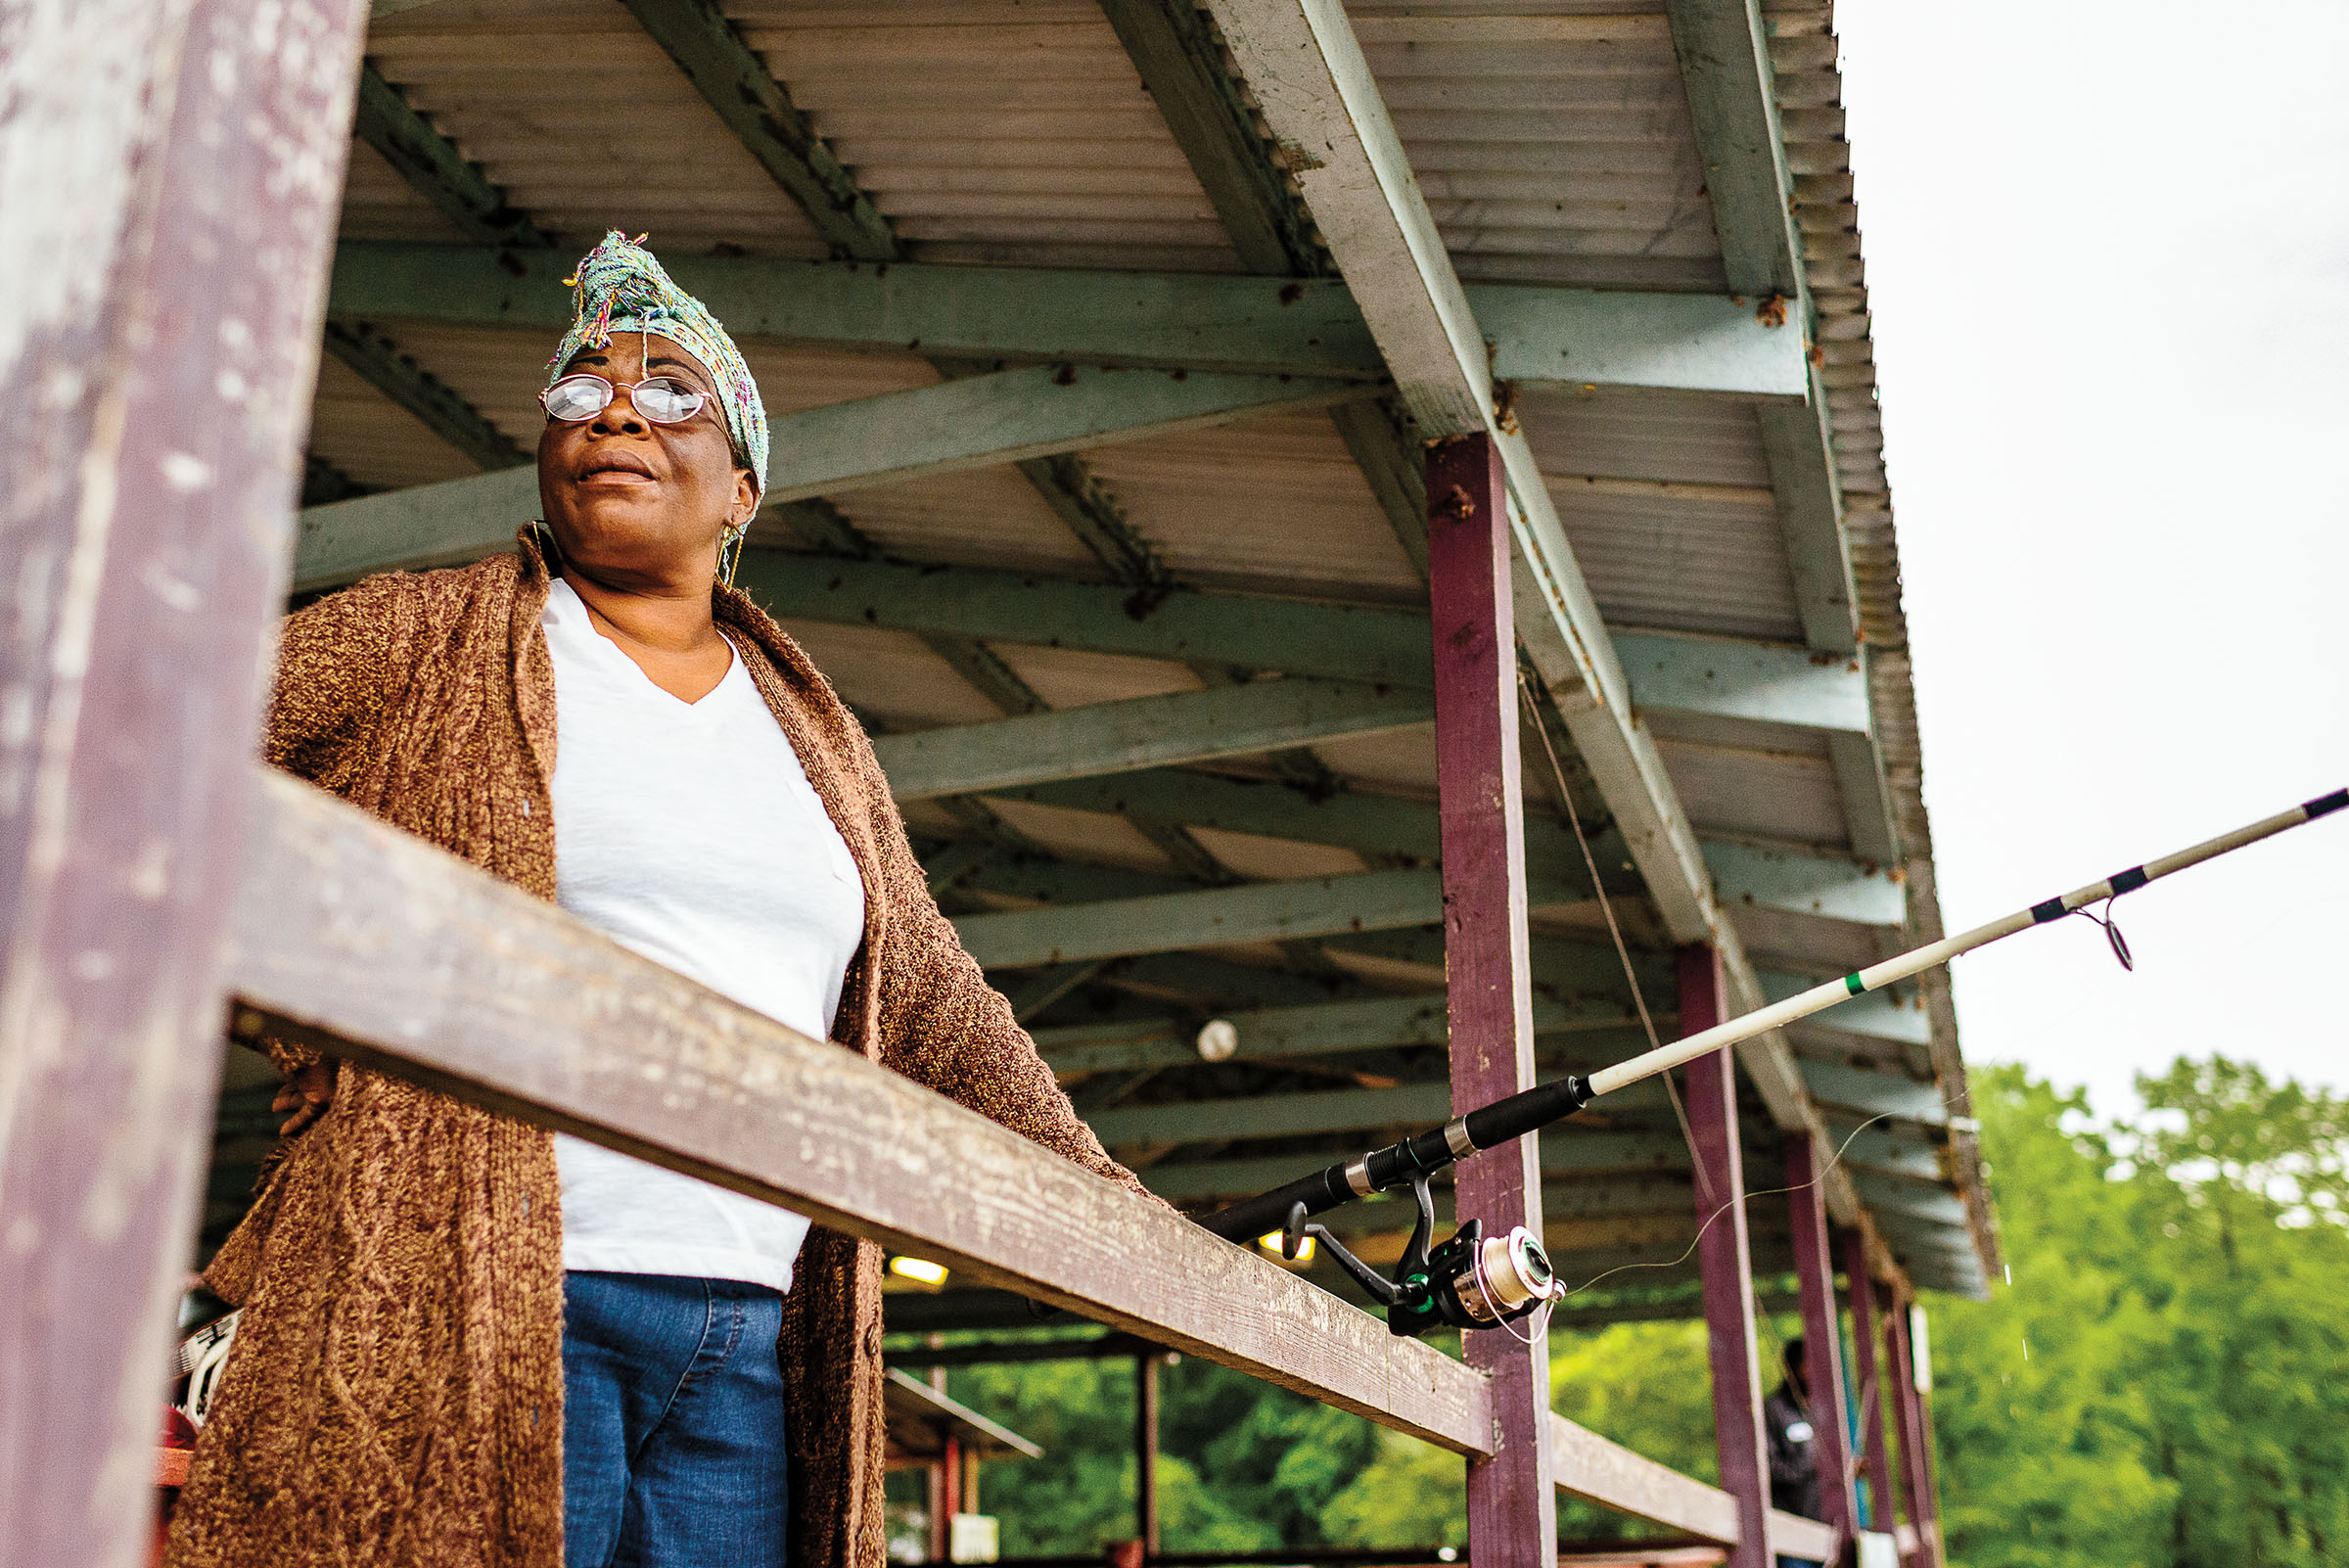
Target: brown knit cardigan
{"points": [[396, 1392]]}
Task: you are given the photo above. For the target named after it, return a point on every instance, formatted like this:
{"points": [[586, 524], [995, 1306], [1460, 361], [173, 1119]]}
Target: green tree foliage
{"points": [[2181, 1286], [1648, 1387]]}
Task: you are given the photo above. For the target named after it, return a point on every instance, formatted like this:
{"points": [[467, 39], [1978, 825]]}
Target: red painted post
{"points": [[171, 175], [1727, 1264], [1815, 1274], [1876, 1460], [1513, 1503], [1916, 1467]]}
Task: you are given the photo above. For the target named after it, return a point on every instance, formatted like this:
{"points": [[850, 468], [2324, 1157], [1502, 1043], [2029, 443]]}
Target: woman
{"points": [[466, 1341]]}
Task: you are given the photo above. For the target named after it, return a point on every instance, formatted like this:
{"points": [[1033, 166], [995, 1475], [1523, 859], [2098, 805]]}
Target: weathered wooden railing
{"points": [[388, 952]]}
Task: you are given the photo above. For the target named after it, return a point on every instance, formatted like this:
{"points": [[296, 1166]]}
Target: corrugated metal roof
{"points": [[1554, 143], [1081, 169]]}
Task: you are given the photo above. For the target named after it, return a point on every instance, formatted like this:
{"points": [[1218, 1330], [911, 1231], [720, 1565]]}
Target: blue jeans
{"points": [[672, 1424]]}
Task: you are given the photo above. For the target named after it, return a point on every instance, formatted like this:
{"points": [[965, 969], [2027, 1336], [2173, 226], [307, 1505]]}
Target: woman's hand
{"points": [[305, 1097]]}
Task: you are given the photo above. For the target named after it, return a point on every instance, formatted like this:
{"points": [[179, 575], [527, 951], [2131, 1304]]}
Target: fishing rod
{"points": [[1475, 1281]]}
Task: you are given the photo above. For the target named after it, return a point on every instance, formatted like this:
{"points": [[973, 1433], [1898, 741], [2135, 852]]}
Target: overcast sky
{"points": [[2107, 249]]}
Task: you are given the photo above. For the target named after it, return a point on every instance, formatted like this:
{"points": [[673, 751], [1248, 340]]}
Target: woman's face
{"points": [[628, 497]]}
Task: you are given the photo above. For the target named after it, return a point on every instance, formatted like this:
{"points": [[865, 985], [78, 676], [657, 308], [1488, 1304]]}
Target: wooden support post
{"points": [[1876, 1460], [1916, 1467], [1726, 1264], [1512, 1501], [170, 174], [938, 1472], [1815, 1275], [1145, 1453]]}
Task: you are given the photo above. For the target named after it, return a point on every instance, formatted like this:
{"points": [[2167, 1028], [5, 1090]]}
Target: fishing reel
{"points": [[1471, 1280]]}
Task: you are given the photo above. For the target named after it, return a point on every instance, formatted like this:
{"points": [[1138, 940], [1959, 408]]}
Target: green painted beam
{"points": [[1806, 882], [1011, 415], [1191, 321], [1718, 677], [440, 406], [1273, 1116], [758, 111], [424, 526], [1876, 1149], [1174, 51], [1688, 342], [1936, 1204], [1295, 637], [1795, 881], [1565, 1151], [1724, 69], [1347, 819], [1261, 911], [1878, 1015], [430, 163], [1140, 732], [1276, 1032], [1876, 1093], [833, 450], [1799, 449], [1726, 679]]}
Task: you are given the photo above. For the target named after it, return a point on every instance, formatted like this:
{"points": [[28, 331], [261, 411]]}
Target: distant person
{"points": [[1793, 1458]]}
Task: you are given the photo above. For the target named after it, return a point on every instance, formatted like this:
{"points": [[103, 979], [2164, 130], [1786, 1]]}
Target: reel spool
{"points": [[1470, 1280]]}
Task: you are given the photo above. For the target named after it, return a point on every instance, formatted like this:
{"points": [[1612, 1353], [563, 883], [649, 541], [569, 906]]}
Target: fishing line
{"points": [[1766, 1193], [1607, 908]]}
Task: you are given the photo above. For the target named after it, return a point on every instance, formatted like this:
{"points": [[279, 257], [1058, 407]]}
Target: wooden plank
{"points": [[1791, 1536], [1262, 911], [1512, 1501], [169, 174], [411, 962], [1116, 737], [1823, 1337], [1726, 1261], [1593, 1468]]}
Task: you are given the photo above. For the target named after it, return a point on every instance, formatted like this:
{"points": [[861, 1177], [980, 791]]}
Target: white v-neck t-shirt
{"points": [[689, 832]]}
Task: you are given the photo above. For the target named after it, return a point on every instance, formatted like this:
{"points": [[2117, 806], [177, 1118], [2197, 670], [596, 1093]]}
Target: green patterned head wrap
{"points": [[620, 288]]}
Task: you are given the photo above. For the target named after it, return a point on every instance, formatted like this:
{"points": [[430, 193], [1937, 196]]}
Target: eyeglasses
{"points": [[663, 399]]}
